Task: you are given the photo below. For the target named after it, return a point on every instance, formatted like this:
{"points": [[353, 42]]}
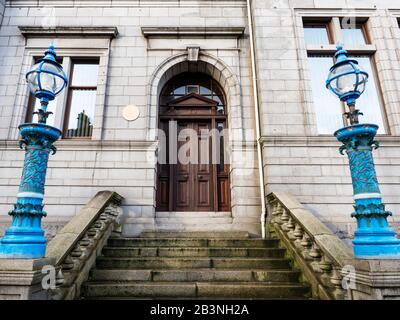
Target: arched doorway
{"points": [[193, 174]]}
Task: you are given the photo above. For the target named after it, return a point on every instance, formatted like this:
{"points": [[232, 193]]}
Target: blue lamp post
{"points": [[24, 239], [373, 237]]}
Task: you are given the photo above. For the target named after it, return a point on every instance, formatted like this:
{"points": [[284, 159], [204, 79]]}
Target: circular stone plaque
{"points": [[130, 112]]}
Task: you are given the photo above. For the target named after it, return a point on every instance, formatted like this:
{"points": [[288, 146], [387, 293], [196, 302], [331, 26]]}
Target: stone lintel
{"points": [[194, 32], [100, 31]]}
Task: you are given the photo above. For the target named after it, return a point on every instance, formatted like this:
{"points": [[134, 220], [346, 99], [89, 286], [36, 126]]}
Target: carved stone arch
{"points": [[207, 64]]}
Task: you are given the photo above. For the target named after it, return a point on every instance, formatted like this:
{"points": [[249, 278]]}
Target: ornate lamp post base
{"points": [[25, 237], [373, 239]]}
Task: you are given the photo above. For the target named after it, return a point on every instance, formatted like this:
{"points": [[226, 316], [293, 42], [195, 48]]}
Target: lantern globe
{"points": [[346, 79], [46, 79]]}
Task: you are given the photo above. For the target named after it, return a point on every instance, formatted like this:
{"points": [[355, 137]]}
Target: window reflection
{"points": [[327, 107], [82, 99], [369, 103]]}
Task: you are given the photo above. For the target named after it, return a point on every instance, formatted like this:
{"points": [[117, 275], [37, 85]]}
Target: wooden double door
{"points": [[195, 175]]}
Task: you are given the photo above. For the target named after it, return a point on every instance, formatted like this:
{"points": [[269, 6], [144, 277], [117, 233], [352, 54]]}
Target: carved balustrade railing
{"points": [[316, 251], [77, 245]]}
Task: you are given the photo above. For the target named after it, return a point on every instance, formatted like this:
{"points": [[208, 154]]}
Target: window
{"points": [[317, 33], [329, 115], [328, 108], [353, 32], [81, 99], [370, 101]]}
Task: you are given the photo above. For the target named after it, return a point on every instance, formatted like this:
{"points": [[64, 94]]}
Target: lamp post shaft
{"points": [[25, 237], [373, 237]]}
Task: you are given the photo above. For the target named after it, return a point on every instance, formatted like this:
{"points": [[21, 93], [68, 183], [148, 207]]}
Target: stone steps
{"points": [[193, 252], [182, 242], [179, 262], [193, 266], [194, 289], [207, 274]]}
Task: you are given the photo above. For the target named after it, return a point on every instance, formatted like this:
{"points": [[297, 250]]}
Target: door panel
{"points": [[203, 184], [163, 173], [183, 171]]}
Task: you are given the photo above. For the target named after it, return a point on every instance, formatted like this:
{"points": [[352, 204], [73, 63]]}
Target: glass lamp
{"points": [[347, 81], [46, 79]]}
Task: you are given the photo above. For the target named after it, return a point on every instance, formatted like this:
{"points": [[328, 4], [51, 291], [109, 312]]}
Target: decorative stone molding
{"points": [[193, 53], [192, 32], [318, 141], [76, 247], [32, 31], [316, 251], [69, 144], [126, 3]]}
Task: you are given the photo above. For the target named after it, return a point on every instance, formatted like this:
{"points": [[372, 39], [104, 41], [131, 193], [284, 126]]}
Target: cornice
{"points": [[176, 32], [99, 31]]}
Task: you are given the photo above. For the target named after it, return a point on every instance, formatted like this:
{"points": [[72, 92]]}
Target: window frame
{"points": [[70, 88], [368, 49]]}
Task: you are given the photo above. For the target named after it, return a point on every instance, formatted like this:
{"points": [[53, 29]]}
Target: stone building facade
{"points": [[140, 47]]}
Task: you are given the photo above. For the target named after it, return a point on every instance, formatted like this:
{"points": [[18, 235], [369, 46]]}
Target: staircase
{"points": [[193, 266]]}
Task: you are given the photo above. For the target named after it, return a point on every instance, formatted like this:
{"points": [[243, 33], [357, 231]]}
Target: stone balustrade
{"points": [[315, 250], [76, 246]]}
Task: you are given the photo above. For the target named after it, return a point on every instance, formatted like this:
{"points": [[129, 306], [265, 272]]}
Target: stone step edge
{"points": [[191, 283], [200, 234], [201, 270], [193, 258], [189, 248], [189, 238]]}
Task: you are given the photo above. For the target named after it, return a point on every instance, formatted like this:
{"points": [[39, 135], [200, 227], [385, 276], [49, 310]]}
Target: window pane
{"points": [[85, 74], [179, 91], [353, 36], [316, 35], [205, 90], [80, 122], [369, 102], [51, 108], [327, 107]]}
